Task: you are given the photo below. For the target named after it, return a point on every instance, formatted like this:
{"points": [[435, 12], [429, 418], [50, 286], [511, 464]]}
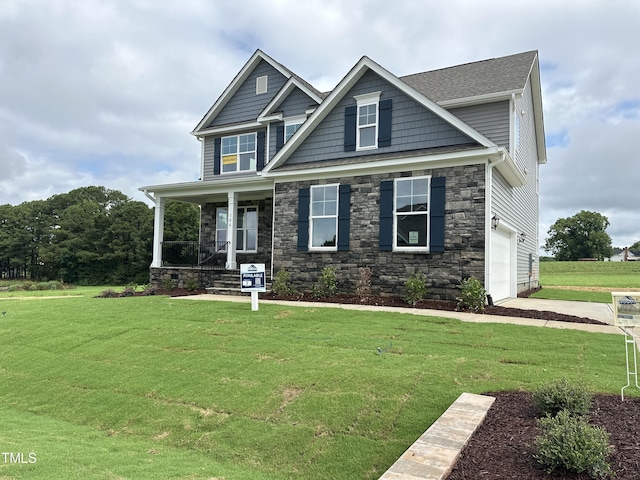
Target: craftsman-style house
{"points": [[435, 172]]}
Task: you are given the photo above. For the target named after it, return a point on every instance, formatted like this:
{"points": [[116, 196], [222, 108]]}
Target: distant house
{"points": [[435, 172], [625, 255]]}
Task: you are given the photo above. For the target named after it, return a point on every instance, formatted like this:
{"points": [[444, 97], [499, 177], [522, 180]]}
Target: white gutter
{"points": [[150, 197]]}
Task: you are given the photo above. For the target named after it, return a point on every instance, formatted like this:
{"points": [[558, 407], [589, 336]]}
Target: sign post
{"points": [[252, 279], [626, 315]]}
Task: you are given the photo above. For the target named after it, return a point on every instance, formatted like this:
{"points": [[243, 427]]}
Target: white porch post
{"points": [[158, 232], [231, 231]]}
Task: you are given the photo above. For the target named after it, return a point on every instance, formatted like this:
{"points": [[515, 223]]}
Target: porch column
{"points": [[231, 230], [158, 232]]}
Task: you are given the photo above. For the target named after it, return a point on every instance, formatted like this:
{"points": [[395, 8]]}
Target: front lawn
{"points": [[155, 387]]}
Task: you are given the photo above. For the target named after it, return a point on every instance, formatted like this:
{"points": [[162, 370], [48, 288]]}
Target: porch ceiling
{"points": [[209, 192]]}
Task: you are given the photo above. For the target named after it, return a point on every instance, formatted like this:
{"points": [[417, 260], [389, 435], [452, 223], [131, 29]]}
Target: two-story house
{"points": [[435, 172]]}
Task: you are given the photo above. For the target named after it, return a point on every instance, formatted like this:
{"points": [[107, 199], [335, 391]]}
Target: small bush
{"points": [[363, 285], [168, 284], [473, 296], [569, 442], [326, 285], [150, 290], [128, 292], [282, 283], [559, 395], [192, 284], [415, 288], [109, 293]]}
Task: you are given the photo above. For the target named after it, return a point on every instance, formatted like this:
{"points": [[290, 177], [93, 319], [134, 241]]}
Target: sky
{"points": [[106, 92]]}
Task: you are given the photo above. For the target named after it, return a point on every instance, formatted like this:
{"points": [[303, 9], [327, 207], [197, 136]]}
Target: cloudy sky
{"points": [[105, 92]]}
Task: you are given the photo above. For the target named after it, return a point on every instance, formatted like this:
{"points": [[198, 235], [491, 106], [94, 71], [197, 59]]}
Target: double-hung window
{"points": [[411, 213], [367, 126], [238, 153], [291, 126], [324, 217]]}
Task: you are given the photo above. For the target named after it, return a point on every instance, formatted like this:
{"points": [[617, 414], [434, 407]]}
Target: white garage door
{"points": [[501, 268]]}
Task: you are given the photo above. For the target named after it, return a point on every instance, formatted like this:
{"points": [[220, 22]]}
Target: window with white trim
{"points": [[291, 126], [246, 229], [367, 121], [238, 153], [324, 217], [411, 213]]}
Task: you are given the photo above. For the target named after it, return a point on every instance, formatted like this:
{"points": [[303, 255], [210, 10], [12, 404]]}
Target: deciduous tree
{"points": [[581, 236]]}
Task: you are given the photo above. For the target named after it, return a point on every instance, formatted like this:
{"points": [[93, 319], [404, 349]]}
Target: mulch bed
{"points": [[503, 446]]}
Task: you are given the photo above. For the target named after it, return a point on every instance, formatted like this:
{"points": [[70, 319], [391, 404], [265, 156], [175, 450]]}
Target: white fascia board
{"points": [[315, 170], [228, 129], [479, 99], [235, 84], [538, 114], [243, 184], [509, 170], [345, 85]]}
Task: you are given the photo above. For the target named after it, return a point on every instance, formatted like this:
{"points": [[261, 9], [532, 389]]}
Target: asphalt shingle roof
{"points": [[495, 75]]}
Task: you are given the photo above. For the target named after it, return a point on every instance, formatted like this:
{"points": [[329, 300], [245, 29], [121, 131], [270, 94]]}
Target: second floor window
{"points": [[238, 153]]}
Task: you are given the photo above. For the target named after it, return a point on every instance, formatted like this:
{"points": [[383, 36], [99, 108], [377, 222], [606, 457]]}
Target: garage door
{"points": [[501, 268]]}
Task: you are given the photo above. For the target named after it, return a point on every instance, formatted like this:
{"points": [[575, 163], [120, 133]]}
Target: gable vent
{"points": [[261, 85]]}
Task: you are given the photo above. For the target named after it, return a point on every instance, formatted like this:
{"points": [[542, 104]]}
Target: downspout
{"points": [[488, 216], [149, 196]]}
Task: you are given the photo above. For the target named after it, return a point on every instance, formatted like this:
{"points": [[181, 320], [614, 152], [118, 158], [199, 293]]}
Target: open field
{"points": [[587, 281], [154, 387]]}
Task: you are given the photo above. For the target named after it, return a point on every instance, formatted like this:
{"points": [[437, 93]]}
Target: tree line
{"points": [[88, 236]]}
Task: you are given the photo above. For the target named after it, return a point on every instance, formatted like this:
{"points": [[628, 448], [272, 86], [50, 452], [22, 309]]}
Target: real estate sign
{"points": [[626, 308]]}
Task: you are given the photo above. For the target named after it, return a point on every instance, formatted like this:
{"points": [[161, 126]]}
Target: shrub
{"points": [[109, 293], [168, 284], [569, 442], [192, 284], [326, 285], [472, 296], [128, 291], [282, 283], [415, 288], [363, 285], [559, 395], [150, 290]]}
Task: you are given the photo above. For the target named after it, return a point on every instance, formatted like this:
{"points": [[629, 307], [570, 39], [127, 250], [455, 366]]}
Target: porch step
{"points": [[228, 283]]}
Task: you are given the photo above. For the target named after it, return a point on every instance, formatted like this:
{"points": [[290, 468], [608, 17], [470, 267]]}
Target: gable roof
{"points": [[291, 84], [331, 101], [496, 76], [239, 79]]}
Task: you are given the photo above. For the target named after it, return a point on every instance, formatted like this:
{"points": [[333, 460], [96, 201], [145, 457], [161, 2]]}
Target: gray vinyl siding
{"points": [[413, 126], [296, 103], [245, 105], [490, 119], [519, 207]]}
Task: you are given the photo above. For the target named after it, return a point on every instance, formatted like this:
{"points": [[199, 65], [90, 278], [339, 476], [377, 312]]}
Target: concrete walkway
{"points": [[596, 311]]}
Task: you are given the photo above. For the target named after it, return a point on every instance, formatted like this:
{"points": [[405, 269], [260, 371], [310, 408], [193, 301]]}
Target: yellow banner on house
{"points": [[229, 159]]}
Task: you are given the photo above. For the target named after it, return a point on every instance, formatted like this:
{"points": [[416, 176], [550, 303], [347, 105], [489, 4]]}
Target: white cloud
{"points": [[105, 92]]}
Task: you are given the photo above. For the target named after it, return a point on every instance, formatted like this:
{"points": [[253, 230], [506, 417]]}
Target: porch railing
{"points": [[191, 254]]}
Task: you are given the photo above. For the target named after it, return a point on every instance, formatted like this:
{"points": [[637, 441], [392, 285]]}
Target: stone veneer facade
{"points": [[464, 254]]}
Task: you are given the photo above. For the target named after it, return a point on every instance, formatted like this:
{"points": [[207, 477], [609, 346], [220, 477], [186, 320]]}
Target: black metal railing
{"points": [[191, 254]]}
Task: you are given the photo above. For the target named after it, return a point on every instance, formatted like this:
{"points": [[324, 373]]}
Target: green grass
{"points": [[609, 275], [590, 274], [154, 387]]}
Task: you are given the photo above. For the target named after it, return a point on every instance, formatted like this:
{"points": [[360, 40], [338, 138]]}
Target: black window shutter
{"points": [[350, 114], [279, 137], [304, 196], [344, 209], [216, 156], [384, 128], [386, 216], [436, 243], [260, 151]]}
